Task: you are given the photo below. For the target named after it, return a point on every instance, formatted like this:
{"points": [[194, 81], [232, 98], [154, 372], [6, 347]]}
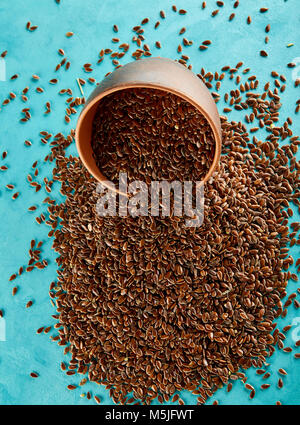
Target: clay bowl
{"points": [[156, 73]]}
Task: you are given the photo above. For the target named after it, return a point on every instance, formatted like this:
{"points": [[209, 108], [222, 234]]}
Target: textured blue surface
{"points": [[36, 53]]}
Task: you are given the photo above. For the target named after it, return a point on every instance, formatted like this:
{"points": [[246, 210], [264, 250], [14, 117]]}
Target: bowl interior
{"points": [[84, 132]]}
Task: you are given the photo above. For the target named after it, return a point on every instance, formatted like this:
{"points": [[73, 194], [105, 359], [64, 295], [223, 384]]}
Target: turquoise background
{"points": [[36, 53]]}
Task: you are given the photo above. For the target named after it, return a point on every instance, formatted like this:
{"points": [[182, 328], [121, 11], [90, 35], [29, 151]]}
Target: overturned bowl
{"points": [[155, 73]]}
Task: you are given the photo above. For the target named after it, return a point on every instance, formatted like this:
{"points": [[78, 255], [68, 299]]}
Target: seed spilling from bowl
{"points": [[151, 307]]}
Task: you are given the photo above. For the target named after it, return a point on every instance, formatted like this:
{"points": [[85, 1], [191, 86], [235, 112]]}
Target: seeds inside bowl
{"points": [[151, 133]]}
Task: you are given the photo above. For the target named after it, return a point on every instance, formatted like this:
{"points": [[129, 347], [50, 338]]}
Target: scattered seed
{"points": [[264, 386], [72, 387], [97, 399]]}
